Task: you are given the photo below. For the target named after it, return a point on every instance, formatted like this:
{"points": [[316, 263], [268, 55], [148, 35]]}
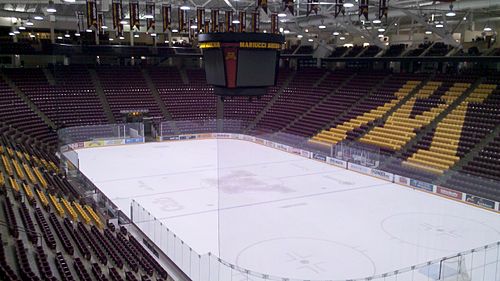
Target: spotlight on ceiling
{"points": [[51, 8], [69, 1], [286, 31], [336, 33], [299, 36], [281, 15], [439, 25], [111, 39], [12, 34], [136, 35], [381, 29], [342, 38], [77, 34], [38, 17], [59, 37], [175, 30], [67, 35], [348, 4], [377, 21], [322, 26], [236, 21], [121, 38], [310, 40], [29, 22], [22, 27], [185, 7], [88, 30], [428, 32], [153, 34], [451, 13]]}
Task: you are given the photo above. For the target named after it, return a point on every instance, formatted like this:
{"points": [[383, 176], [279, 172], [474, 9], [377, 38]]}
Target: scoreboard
{"points": [[241, 64]]}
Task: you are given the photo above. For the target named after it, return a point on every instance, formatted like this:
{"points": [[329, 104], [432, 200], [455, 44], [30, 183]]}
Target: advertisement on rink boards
{"points": [[382, 175], [476, 200], [336, 162], [449, 193], [319, 157], [422, 185], [358, 168]]}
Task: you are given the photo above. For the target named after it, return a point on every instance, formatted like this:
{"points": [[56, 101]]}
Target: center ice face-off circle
{"points": [[306, 258]]}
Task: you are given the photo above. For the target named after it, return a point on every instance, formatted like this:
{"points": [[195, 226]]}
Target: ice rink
{"points": [[282, 214]]}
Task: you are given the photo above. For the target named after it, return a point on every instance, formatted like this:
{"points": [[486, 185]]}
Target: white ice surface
{"points": [[282, 214]]}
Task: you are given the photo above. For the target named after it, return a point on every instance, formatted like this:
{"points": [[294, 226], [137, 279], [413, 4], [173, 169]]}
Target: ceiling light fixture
{"points": [[336, 33], [342, 38], [236, 21], [428, 32], [348, 4], [299, 36], [439, 25], [310, 40], [67, 35], [51, 8], [377, 21], [381, 29], [185, 7], [88, 30], [175, 30], [451, 13], [322, 26], [22, 27], [123, 22], [136, 35], [38, 17], [281, 15]]}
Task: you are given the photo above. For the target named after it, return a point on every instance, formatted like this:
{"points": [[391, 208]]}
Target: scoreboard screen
{"points": [[241, 63], [214, 67], [256, 72]]}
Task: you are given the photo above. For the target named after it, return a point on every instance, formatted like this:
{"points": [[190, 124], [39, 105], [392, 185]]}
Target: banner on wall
{"points": [[91, 14], [319, 157], [134, 14], [166, 14], [117, 14], [150, 10], [255, 22]]}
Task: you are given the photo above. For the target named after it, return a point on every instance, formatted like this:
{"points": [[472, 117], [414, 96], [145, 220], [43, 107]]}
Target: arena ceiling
{"points": [[404, 16]]}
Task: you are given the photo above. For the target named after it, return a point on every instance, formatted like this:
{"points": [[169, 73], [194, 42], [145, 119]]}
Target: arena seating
{"points": [[240, 108], [441, 128], [194, 101], [420, 110], [453, 136], [295, 99], [16, 114], [71, 102], [126, 89], [76, 240], [373, 107]]}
